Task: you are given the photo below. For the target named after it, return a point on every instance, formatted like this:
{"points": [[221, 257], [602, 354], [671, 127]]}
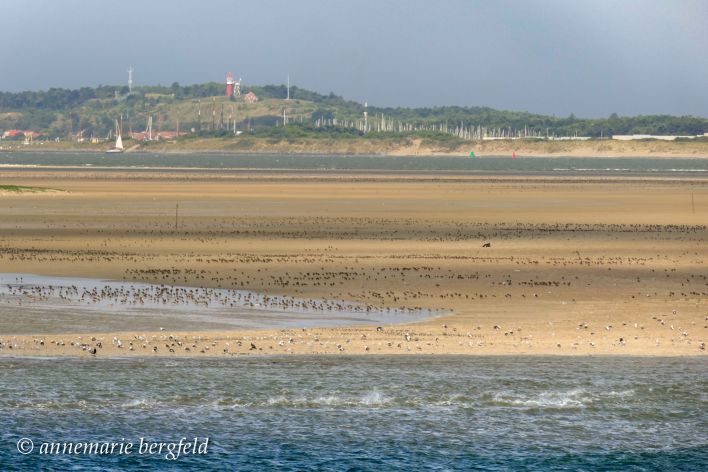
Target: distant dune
{"points": [[398, 147]]}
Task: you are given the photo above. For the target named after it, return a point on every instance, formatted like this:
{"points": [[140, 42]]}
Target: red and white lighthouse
{"points": [[229, 84]]}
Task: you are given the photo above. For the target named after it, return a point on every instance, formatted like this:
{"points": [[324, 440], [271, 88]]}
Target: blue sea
{"points": [[361, 413]]}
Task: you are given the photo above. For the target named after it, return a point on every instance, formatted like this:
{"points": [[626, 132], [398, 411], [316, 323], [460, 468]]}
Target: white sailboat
{"points": [[119, 141]]}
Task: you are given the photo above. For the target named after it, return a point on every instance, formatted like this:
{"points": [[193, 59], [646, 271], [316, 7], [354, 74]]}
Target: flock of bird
{"points": [[318, 277], [117, 294], [317, 341]]}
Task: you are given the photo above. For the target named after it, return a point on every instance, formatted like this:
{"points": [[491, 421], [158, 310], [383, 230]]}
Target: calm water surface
{"points": [[456, 165]]}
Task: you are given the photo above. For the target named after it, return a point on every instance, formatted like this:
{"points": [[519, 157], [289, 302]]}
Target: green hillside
{"points": [[204, 110]]}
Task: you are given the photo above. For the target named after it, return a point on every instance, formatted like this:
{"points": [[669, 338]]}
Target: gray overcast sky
{"points": [[591, 58]]}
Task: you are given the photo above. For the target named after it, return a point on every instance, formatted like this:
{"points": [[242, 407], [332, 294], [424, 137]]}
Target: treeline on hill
{"points": [[57, 111], [58, 99]]}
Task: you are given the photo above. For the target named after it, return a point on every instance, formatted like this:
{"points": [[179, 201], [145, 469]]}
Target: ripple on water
{"points": [[447, 412], [574, 398]]}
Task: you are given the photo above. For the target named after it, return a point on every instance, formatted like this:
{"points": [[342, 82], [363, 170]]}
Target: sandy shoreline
{"points": [[407, 147], [605, 267]]}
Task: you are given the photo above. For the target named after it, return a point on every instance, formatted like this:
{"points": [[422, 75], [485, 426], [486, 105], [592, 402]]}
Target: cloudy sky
{"points": [[591, 58]]}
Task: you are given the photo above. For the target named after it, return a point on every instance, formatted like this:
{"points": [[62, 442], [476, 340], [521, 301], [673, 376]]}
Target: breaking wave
{"points": [[576, 398]]}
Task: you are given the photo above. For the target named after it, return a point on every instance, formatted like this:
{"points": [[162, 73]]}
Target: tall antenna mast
{"points": [[130, 79], [288, 97], [213, 114], [199, 114]]}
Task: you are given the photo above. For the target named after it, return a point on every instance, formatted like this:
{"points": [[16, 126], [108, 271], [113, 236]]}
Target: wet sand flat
{"points": [[575, 265]]}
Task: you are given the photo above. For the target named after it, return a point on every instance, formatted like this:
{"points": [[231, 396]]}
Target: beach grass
{"points": [[24, 189]]}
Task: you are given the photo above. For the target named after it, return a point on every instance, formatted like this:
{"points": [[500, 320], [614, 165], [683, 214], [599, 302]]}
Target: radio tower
{"points": [[130, 79]]}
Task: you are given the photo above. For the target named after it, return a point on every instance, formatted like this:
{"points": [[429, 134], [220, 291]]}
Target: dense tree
{"points": [[48, 111]]}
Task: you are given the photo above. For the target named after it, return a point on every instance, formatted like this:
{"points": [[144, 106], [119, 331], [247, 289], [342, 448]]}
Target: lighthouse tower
{"points": [[229, 84]]}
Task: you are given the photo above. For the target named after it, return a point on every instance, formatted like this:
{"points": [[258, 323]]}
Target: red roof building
{"points": [[12, 133]]}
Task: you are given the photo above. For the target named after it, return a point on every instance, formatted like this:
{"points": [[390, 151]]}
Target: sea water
{"points": [[560, 165], [378, 413]]}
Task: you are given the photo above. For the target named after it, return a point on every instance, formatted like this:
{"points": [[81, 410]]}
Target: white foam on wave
{"points": [[374, 398], [550, 399], [456, 399], [138, 403], [620, 394], [575, 398], [277, 401], [371, 399], [330, 400], [55, 405]]}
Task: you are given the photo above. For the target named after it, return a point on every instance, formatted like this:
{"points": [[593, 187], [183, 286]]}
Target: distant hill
{"points": [[203, 108]]}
